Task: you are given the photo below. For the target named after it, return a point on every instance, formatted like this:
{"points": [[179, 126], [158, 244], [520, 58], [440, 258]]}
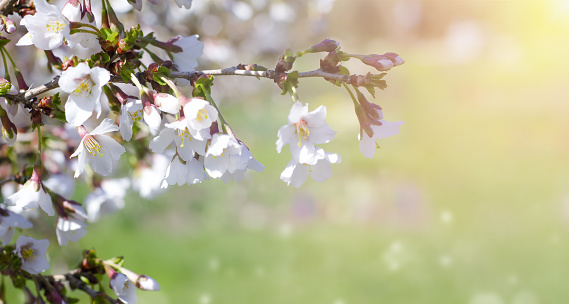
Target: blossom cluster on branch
{"points": [[106, 100]]}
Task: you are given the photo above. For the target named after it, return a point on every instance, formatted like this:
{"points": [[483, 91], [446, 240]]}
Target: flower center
{"points": [[55, 26], [202, 114], [92, 146], [85, 86], [183, 135], [301, 131], [27, 252], [135, 116]]}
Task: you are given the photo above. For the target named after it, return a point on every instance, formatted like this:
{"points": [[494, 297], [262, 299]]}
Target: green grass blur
{"points": [[469, 204]]}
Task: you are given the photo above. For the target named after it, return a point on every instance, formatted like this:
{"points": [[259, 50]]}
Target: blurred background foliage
{"points": [[469, 204]]}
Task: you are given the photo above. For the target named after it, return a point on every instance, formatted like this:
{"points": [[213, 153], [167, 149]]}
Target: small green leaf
{"points": [[290, 82]]}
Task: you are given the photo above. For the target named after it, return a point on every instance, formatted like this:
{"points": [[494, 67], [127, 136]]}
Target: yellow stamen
{"points": [[55, 26], [183, 135], [92, 146], [301, 131], [85, 86], [135, 116], [201, 114]]}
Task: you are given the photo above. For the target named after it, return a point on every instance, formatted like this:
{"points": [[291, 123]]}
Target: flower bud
{"points": [[325, 46], [10, 26], [330, 62], [5, 86], [383, 62]]}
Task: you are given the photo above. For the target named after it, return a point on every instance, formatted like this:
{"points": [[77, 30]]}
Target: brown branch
{"points": [[6, 6], [76, 283], [25, 97]]}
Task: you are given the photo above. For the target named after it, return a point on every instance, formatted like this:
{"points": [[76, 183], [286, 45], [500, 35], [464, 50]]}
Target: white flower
{"points": [[84, 86], [97, 149], [47, 28], [61, 184], [386, 129], [148, 180], [86, 40], [123, 288], [147, 283], [227, 156], [303, 131], [184, 3], [31, 195], [192, 48], [199, 115], [152, 117], [186, 172], [186, 144], [32, 252], [167, 103], [238, 164], [296, 173], [106, 199], [130, 112], [9, 221], [72, 228]]}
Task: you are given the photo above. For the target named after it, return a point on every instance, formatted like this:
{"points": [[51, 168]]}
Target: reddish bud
{"points": [[325, 46], [383, 62]]}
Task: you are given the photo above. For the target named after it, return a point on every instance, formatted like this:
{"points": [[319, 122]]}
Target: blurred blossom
{"points": [[282, 12], [446, 261], [486, 298], [242, 10], [106, 199], [323, 6], [446, 217], [205, 299], [525, 297], [258, 4], [407, 13], [211, 25], [396, 256], [465, 40]]}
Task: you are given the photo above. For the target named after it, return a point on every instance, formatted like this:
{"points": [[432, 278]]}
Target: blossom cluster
{"points": [[172, 138]]}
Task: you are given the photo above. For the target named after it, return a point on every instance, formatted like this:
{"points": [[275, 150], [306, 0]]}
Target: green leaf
{"points": [[371, 90], [58, 114], [201, 84], [162, 71], [109, 35], [290, 82]]}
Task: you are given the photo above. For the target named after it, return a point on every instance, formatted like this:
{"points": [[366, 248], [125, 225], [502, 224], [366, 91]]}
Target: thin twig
{"points": [[24, 97]]}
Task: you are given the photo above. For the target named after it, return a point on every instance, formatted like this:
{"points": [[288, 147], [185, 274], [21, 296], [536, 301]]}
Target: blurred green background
{"points": [[469, 204]]}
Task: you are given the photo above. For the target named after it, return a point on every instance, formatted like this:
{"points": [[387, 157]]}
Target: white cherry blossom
{"points": [[47, 28], [296, 173], [147, 180], [9, 222], [130, 112], [238, 165], [186, 144], [227, 156], [303, 131], [184, 172], [386, 129], [73, 227], [31, 195], [123, 288], [73, 13], [167, 103], [84, 86], [98, 150], [33, 254], [106, 199], [199, 114], [192, 49], [184, 3]]}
